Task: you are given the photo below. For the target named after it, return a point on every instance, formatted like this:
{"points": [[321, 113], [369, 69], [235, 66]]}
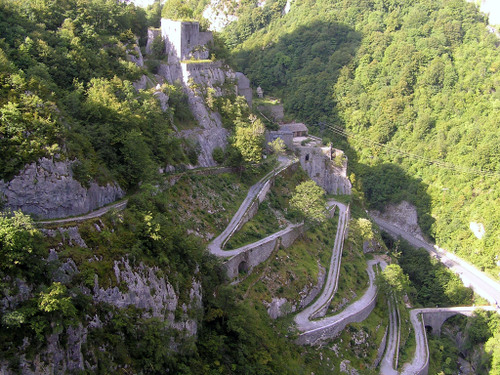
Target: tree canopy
{"points": [[309, 199], [400, 78]]}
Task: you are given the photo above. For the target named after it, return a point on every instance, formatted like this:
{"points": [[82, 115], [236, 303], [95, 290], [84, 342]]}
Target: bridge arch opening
{"points": [[243, 267], [428, 330]]}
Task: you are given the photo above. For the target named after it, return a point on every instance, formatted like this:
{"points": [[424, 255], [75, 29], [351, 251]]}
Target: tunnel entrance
{"points": [[243, 267]]}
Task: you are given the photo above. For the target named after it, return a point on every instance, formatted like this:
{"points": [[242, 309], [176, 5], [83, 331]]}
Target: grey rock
{"points": [[279, 307], [65, 272], [11, 300], [371, 246], [145, 290], [71, 236], [136, 55], [48, 190], [219, 15], [74, 357], [402, 215], [163, 99]]}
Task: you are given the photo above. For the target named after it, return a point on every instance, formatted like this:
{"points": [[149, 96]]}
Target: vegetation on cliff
{"points": [[399, 78], [67, 91]]}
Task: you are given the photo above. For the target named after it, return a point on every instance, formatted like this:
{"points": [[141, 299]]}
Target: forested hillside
{"points": [[66, 90], [399, 78], [140, 289]]}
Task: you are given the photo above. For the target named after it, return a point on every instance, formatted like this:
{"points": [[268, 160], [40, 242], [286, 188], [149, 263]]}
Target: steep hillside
{"points": [[412, 90], [221, 255]]}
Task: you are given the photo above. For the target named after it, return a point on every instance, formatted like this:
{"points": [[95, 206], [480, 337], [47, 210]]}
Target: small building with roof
{"points": [[298, 129]]}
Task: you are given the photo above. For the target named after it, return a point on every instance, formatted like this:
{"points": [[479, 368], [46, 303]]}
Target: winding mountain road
{"points": [[471, 276], [117, 206], [321, 304], [389, 362], [321, 329], [420, 362], [216, 246]]}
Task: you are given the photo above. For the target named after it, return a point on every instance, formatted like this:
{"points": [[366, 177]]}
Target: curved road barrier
{"points": [[315, 331]]}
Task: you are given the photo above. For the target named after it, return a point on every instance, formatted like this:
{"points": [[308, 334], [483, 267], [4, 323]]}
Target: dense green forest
{"points": [[399, 78], [66, 90]]}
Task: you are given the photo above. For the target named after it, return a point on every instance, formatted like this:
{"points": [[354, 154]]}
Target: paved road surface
{"points": [[352, 309], [389, 361], [323, 301], [215, 247], [421, 357], [471, 276], [91, 215]]}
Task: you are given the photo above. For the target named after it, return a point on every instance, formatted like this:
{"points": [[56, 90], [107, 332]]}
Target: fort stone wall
{"points": [[320, 167]]}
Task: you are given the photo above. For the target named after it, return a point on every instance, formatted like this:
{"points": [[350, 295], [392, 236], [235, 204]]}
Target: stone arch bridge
{"points": [[435, 317]]}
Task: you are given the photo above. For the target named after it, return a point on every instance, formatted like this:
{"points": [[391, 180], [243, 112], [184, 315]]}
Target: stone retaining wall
{"points": [[257, 252], [325, 333]]}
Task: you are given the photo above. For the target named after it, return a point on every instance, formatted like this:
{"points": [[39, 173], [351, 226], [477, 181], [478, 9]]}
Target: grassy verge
{"points": [[290, 273], [262, 225]]}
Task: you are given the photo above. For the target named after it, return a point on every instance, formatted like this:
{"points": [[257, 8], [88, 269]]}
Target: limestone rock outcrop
{"points": [[195, 76], [218, 14], [48, 190], [403, 216]]}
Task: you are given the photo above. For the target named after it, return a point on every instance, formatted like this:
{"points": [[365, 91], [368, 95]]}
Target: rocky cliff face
{"points": [[403, 215], [48, 190], [145, 288], [210, 133], [218, 13]]}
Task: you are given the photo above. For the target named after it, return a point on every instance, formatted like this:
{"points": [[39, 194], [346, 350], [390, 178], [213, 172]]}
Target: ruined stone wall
{"points": [[286, 136], [184, 39], [243, 87], [152, 35]]}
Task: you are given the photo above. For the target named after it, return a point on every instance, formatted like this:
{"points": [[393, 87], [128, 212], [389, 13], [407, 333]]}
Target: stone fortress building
{"points": [[184, 39], [325, 165]]}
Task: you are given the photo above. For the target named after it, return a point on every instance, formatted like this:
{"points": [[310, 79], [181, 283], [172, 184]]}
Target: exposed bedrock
{"points": [[48, 190]]}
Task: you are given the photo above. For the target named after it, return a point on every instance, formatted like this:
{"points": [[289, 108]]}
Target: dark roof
{"points": [[294, 127]]}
